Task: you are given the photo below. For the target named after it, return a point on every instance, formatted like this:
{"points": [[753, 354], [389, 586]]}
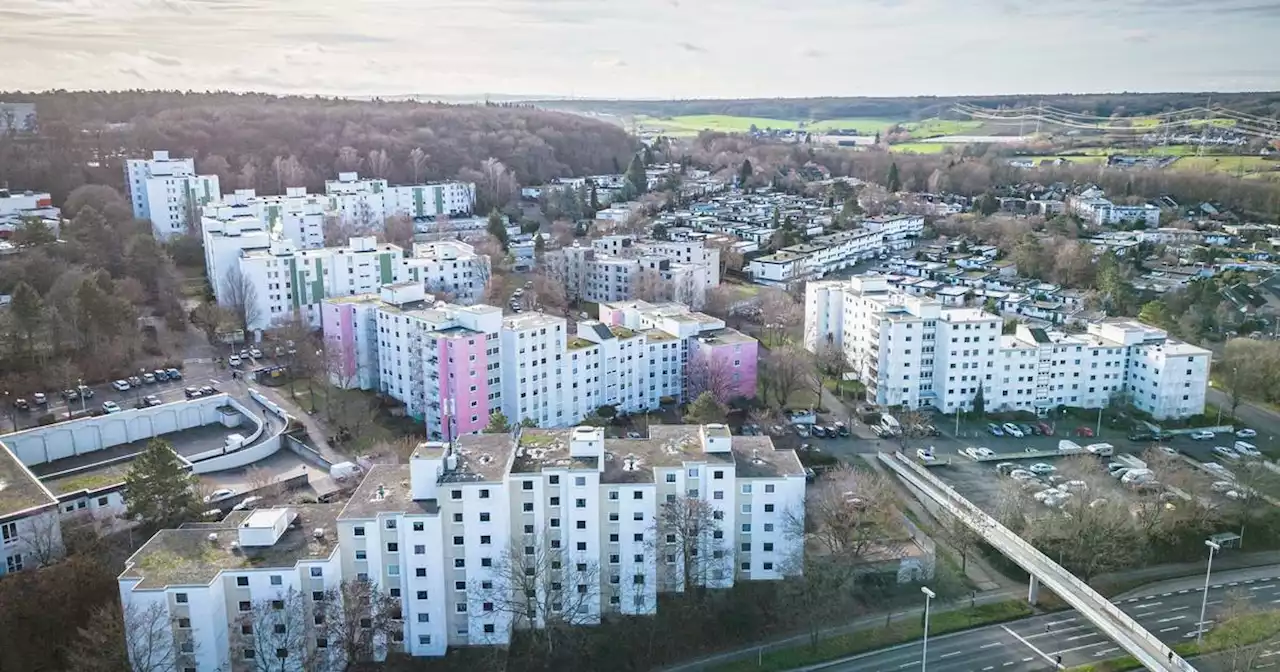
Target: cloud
{"points": [[813, 53], [691, 47], [161, 59]]}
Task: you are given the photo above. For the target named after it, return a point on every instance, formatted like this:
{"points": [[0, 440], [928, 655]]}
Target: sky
{"points": [[658, 49]]}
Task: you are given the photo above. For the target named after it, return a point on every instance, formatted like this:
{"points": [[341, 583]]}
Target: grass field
{"points": [[864, 125], [922, 147], [933, 128], [1234, 165]]}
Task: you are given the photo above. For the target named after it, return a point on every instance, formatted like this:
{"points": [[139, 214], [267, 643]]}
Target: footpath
{"points": [[1157, 579]]}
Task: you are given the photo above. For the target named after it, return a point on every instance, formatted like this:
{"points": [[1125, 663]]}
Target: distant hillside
{"points": [[1265, 104]]}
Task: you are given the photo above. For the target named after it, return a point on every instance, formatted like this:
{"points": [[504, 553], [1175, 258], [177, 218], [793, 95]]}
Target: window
{"points": [[580, 503], [242, 581], [768, 488], [555, 501], [579, 480], [746, 488], [746, 508], [555, 480], [460, 607], [527, 485], [418, 527], [282, 653], [248, 654], [424, 618], [768, 508], [457, 517], [393, 547], [459, 562], [459, 585], [180, 598], [484, 516], [317, 572], [419, 549], [582, 524], [457, 540], [768, 566], [671, 478], [488, 628], [638, 580], [391, 523], [637, 495], [420, 572], [184, 623], [244, 607], [717, 475], [358, 531], [276, 579], [322, 643], [277, 605]]}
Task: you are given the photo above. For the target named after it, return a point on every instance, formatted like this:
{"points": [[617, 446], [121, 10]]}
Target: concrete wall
{"points": [[78, 437], [246, 456]]}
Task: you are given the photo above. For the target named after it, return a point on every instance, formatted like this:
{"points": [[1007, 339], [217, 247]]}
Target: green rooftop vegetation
{"points": [[89, 480], [578, 343], [621, 332], [536, 439]]}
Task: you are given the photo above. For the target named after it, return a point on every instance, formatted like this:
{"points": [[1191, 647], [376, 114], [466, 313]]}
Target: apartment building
{"points": [[590, 274], [812, 260], [1102, 212], [295, 216], [915, 352], [16, 206], [286, 280], [476, 539], [168, 192], [449, 268], [690, 252], [369, 202]]}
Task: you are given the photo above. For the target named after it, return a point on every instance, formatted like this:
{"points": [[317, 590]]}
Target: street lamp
{"points": [[80, 391], [924, 648], [1204, 601]]}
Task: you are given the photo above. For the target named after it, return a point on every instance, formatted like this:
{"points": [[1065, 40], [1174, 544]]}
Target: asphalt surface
{"points": [[196, 373], [1035, 643]]}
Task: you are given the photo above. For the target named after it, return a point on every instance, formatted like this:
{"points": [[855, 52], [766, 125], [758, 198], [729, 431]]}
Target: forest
{"points": [[257, 141], [923, 107]]}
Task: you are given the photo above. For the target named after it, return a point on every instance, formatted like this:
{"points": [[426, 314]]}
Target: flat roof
{"points": [[188, 556], [756, 457], [724, 336], [19, 489], [481, 457], [386, 488]]}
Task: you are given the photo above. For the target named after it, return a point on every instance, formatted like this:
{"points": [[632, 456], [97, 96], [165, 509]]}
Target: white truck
{"points": [[233, 443]]}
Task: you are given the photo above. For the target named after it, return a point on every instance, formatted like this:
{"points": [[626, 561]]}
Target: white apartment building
{"points": [[592, 275], [296, 216], [469, 536], [15, 206], [369, 202], [688, 252], [813, 260], [915, 352], [30, 525], [449, 268], [168, 192], [1102, 212], [288, 280]]}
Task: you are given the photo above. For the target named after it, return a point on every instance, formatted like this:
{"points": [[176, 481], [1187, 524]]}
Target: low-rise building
{"points": [[16, 206], [367, 203], [875, 237]]}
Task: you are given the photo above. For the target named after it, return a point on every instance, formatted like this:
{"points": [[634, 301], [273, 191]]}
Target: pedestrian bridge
{"points": [[1132, 637]]}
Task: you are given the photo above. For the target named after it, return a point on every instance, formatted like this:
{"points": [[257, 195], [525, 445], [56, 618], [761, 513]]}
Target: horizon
{"points": [[718, 50]]}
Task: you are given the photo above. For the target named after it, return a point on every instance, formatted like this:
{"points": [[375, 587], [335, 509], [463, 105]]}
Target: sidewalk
{"points": [[863, 623], [316, 434]]}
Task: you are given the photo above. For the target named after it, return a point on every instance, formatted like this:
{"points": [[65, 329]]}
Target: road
{"points": [[1034, 643]]}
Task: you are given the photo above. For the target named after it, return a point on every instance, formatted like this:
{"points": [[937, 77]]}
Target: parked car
{"points": [[111, 407], [842, 429], [1022, 475], [1045, 428], [149, 378], [1012, 430], [634, 435], [233, 360], [802, 431], [173, 374], [1005, 467], [1167, 451], [1202, 435], [1086, 432], [135, 381], [1029, 430], [152, 400], [1222, 486], [85, 391], [1246, 449], [191, 392], [247, 503], [39, 399], [1223, 451], [121, 385], [926, 455], [1217, 469], [996, 430], [70, 395], [220, 494], [818, 432], [255, 353], [1143, 436], [1246, 434], [1042, 468], [22, 404], [983, 452], [208, 390]]}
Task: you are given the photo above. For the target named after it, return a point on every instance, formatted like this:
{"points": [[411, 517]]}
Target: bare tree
{"points": [[398, 230], [648, 285], [240, 295], [379, 163], [43, 538], [263, 483], [547, 295], [544, 589], [340, 362], [785, 371], [136, 639], [248, 175], [959, 536], [778, 313], [1096, 535], [359, 622], [705, 373], [690, 546], [562, 232], [278, 635], [348, 160], [418, 160], [288, 171]]}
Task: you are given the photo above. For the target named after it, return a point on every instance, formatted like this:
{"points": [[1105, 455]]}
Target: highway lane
{"points": [[1035, 643]]}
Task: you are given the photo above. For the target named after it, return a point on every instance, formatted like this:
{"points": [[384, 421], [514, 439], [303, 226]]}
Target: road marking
{"points": [[987, 646], [1007, 664], [1268, 654], [1183, 592], [1178, 608], [1031, 646], [1089, 634], [1028, 659], [1216, 585], [910, 664], [1172, 618], [989, 667], [1148, 606], [1260, 667], [1250, 580], [1077, 648], [1105, 651], [1165, 594], [1132, 599], [948, 655], [1168, 629], [1234, 583], [1065, 620], [1220, 601]]}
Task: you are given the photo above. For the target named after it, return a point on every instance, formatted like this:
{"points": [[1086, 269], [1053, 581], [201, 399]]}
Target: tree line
{"points": [[269, 142]]}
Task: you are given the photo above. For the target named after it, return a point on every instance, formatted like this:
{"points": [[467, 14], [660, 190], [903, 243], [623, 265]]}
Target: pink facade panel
{"points": [[470, 368], [738, 362], [338, 324]]}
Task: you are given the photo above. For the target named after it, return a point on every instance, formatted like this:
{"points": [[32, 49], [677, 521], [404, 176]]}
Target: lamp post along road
{"points": [[1204, 601], [924, 647]]}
